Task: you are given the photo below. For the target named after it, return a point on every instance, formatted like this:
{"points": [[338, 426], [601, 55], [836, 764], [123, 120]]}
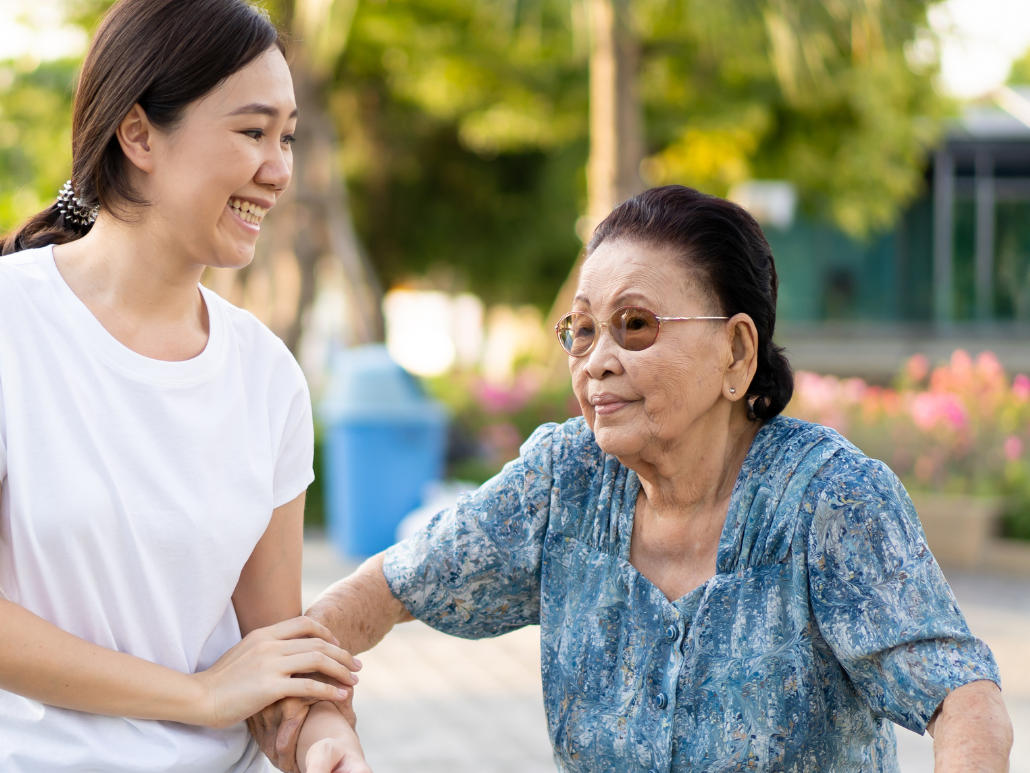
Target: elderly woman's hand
{"points": [[360, 610], [972, 731], [276, 729]]}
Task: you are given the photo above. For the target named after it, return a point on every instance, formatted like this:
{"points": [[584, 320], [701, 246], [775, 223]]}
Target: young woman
{"points": [[156, 442]]}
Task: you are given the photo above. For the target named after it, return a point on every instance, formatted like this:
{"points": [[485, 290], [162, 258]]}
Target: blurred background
{"points": [[454, 155]]}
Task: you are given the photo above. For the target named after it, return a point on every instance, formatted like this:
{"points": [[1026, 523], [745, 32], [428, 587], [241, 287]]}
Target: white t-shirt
{"points": [[133, 492]]}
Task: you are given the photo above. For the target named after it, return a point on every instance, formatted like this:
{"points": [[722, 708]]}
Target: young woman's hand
{"points": [[332, 755], [260, 670]]}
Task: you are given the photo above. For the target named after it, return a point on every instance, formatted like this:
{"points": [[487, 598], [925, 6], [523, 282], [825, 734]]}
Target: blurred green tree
{"points": [[836, 97], [35, 135], [468, 128], [1019, 75]]}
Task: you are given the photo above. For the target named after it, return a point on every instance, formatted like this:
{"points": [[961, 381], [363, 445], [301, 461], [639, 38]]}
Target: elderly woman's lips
{"points": [[608, 404]]}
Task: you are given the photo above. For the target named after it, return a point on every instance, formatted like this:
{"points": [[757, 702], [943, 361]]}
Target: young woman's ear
{"points": [[135, 133]]}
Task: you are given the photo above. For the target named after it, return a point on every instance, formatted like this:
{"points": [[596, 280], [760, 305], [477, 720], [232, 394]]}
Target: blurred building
{"points": [[954, 273]]}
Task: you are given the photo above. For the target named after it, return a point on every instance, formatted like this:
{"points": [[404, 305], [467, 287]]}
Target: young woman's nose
{"points": [[277, 169]]}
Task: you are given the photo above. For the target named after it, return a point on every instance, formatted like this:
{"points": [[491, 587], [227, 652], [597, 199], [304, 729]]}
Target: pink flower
{"points": [[1013, 448], [917, 367], [953, 412], [853, 389], [494, 398], [961, 362], [924, 411], [988, 368], [1021, 388], [929, 409]]}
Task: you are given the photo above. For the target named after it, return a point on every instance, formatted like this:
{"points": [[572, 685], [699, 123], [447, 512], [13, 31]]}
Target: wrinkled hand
{"points": [[277, 728], [261, 669]]}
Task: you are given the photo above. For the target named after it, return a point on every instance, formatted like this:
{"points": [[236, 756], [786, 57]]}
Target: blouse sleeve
{"points": [[880, 599], [474, 571]]}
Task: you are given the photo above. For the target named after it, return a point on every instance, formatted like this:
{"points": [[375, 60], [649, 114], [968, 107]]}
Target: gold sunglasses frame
{"points": [[557, 327]]}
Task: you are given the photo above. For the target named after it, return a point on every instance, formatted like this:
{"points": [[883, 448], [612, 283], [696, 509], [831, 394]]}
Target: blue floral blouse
{"points": [[827, 619]]}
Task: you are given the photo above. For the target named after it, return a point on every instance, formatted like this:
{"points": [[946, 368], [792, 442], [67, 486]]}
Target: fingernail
{"points": [[341, 693], [357, 663], [336, 641], [354, 677]]}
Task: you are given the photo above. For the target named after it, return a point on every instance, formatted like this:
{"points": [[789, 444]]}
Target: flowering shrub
{"points": [[963, 427], [491, 420]]}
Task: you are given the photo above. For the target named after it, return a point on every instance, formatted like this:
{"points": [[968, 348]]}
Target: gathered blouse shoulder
{"points": [[827, 620]]}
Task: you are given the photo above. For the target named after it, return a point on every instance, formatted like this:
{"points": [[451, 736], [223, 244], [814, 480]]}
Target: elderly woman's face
{"points": [[644, 401]]}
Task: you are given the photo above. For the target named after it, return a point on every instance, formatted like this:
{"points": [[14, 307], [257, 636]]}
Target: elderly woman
{"points": [[718, 587]]}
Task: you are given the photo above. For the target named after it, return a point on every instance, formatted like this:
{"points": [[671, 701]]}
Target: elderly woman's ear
{"points": [[743, 356]]}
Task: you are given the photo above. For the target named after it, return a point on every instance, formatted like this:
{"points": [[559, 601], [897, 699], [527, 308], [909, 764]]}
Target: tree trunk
{"points": [[616, 123], [321, 220], [616, 133], [311, 227]]}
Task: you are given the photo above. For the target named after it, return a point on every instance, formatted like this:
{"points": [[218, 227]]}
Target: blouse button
{"points": [[661, 701], [672, 633]]}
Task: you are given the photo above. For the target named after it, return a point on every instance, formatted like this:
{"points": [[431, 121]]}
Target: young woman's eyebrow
{"points": [[257, 108]]}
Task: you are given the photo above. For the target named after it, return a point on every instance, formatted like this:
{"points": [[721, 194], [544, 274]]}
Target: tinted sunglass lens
{"points": [[634, 328], [576, 332]]}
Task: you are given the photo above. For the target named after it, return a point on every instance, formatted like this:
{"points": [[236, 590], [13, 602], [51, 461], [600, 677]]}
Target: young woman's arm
{"points": [[328, 744], [45, 663], [269, 590]]}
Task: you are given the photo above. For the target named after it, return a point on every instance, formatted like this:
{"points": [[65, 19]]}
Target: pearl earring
{"points": [[733, 391]]}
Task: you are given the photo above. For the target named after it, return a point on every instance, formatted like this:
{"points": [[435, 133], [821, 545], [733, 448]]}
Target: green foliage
{"points": [[465, 122], [314, 502], [35, 137], [1019, 75], [464, 141], [819, 93], [465, 134]]}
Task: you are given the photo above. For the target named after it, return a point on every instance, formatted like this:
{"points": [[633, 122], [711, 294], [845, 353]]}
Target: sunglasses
{"points": [[633, 328]]}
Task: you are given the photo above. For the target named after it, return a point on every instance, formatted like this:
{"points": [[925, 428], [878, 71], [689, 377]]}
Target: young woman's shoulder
{"points": [[257, 347], [20, 271], [25, 292]]}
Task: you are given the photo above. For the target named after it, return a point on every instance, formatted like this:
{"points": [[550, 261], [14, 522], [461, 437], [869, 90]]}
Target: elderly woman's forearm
{"points": [[360, 609], [972, 731]]}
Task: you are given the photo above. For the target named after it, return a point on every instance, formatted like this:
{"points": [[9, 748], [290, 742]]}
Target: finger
{"points": [[301, 627], [260, 730], [297, 646], [294, 712], [320, 663], [312, 688]]}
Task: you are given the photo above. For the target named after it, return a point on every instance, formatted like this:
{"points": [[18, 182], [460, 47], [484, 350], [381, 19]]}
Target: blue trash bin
{"points": [[385, 440]]}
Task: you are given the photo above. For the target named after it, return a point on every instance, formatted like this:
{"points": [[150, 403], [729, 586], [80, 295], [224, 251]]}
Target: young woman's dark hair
{"points": [[723, 247], [162, 55]]}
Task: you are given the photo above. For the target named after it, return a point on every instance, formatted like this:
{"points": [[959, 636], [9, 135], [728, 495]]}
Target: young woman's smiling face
{"points": [[212, 179]]}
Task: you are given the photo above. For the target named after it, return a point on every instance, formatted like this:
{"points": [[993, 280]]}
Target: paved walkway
{"points": [[429, 702]]}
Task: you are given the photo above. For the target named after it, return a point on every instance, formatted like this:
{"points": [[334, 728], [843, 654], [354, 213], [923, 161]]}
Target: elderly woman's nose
{"points": [[604, 358]]}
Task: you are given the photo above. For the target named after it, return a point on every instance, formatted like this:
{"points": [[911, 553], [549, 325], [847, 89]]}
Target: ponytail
{"points": [[47, 227]]}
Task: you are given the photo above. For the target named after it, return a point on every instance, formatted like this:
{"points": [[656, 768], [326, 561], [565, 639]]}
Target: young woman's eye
{"points": [[289, 139], [255, 134]]}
